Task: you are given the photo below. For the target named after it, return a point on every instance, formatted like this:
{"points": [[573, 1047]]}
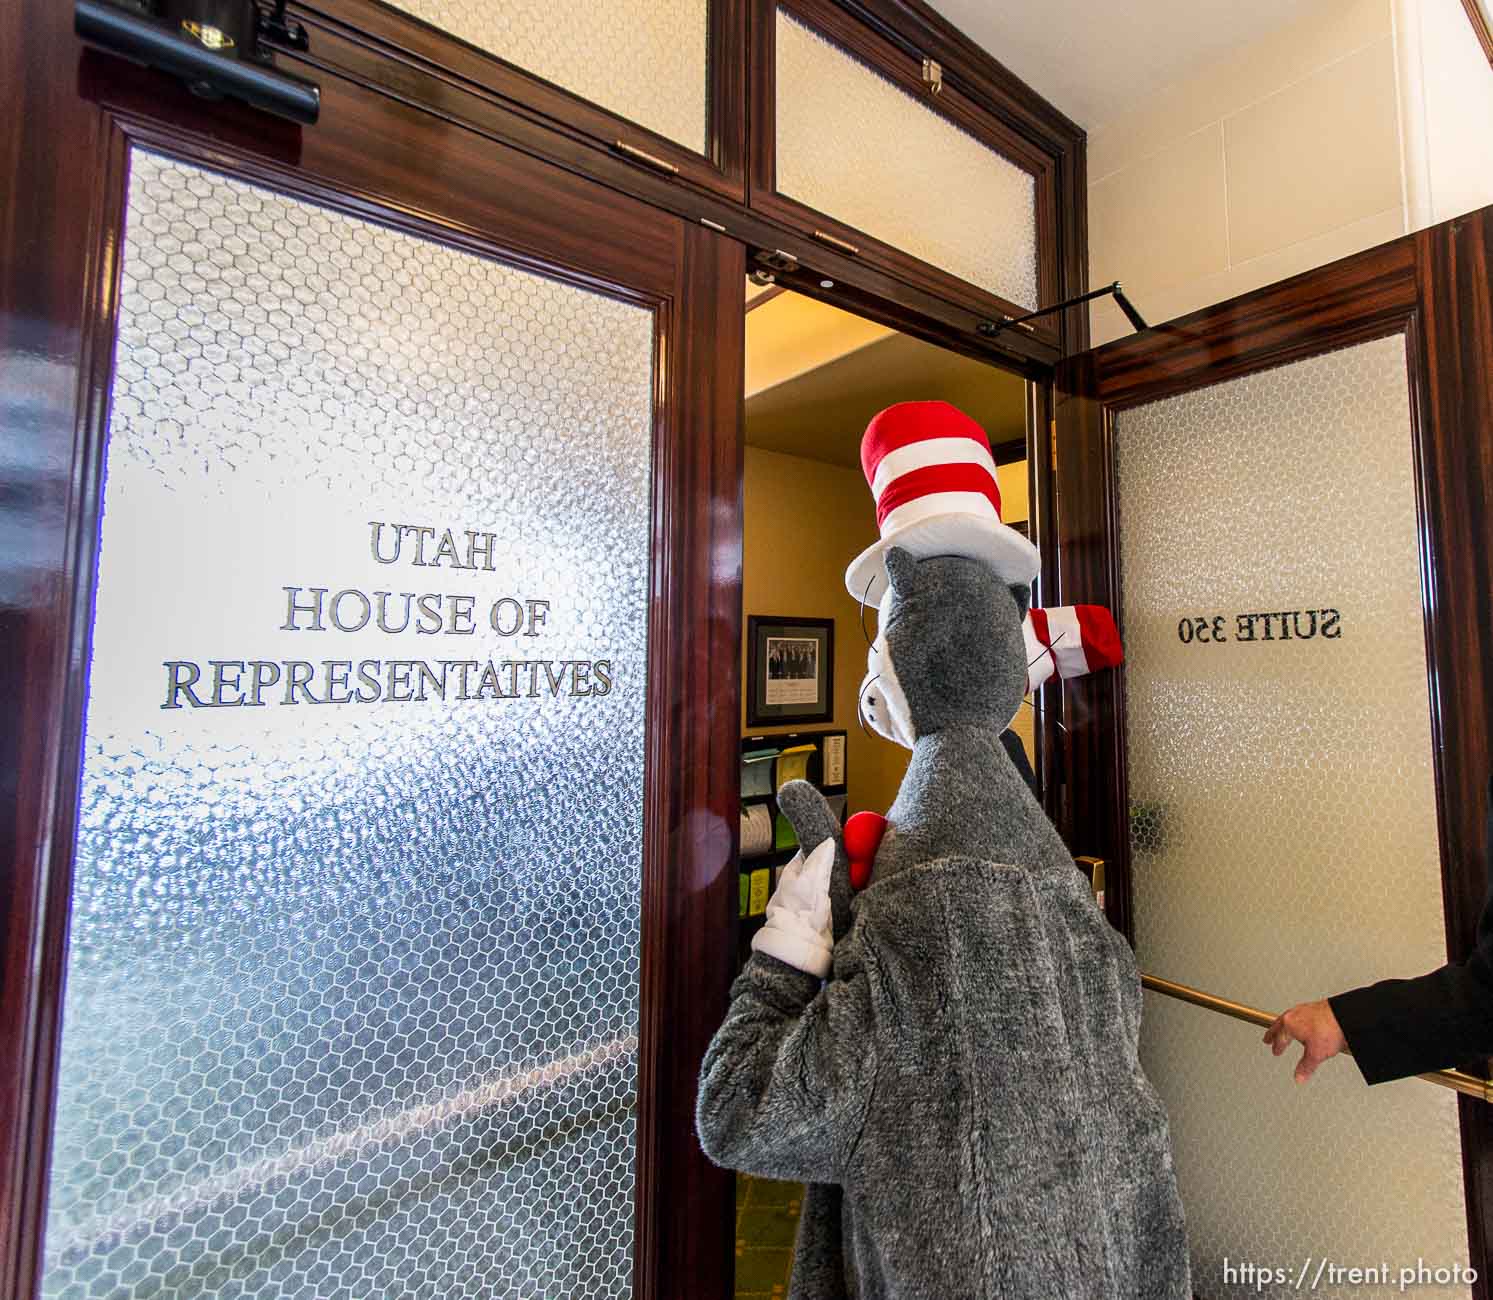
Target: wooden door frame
{"points": [[374, 156], [1436, 288], [885, 57], [386, 50], [399, 43]]}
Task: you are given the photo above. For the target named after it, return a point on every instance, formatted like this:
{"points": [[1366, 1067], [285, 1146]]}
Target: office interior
{"points": [[815, 375]]}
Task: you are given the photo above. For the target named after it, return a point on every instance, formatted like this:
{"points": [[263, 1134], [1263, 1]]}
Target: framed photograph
{"points": [[790, 670]]}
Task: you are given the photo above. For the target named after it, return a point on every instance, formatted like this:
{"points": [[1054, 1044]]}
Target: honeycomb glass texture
{"points": [[352, 991], [859, 148], [645, 60], [1283, 814]]}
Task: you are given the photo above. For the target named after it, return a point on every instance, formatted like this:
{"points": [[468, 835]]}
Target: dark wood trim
{"points": [[385, 49], [1042, 518], [425, 133], [686, 1228], [1360, 297], [899, 306], [1092, 810], [1363, 297], [1479, 21], [391, 162], [919, 28], [1069, 562], [339, 50], [892, 59], [1453, 346], [48, 268], [728, 93], [915, 27], [1436, 288], [1011, 451], [766, 296], [96, 368], [396, 36], [1073, 245]]}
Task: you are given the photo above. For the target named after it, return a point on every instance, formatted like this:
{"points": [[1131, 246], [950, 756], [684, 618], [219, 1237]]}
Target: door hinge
{"points": [[933, 75], [777, 260], [646, 158], [1052, 442], [824, 237]]}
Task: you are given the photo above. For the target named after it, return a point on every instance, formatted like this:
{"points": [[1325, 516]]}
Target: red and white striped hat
{"points": [[933, 477], [1070, 640]]}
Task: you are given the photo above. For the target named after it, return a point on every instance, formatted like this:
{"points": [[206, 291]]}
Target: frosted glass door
{"points": [[352, 986], [645, 60], [1283, 812], [855, 146]]}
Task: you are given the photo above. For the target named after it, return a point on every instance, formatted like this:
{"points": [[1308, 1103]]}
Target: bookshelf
{"points": [[767, 840]]}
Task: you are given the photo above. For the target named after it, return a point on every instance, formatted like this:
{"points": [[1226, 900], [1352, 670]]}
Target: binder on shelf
{"points": [[756, 772], [756, 830], [784, 837], [768, 841], [760, 892], [832, 763], [793, 765], [822, 755]]}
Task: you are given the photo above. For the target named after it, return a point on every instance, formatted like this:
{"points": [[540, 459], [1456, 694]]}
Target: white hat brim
{"points": [[1013, 558]]}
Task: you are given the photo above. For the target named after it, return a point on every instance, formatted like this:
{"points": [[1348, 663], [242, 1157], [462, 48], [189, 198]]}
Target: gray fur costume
{"points": [[963, 1093]]}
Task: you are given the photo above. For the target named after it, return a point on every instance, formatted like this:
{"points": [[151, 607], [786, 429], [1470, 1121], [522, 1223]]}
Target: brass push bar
{"points": [[1457, 1080]]}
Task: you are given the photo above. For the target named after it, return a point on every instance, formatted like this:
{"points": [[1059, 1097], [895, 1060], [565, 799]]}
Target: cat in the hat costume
{"points": [[947, 1056]]}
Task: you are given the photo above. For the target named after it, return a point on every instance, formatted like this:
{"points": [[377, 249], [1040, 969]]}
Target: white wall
{"points": [[1446, 91], [1278, 157]]}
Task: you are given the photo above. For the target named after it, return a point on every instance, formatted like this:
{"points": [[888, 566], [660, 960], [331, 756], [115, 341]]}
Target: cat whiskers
{"points": [[1047, 649], [1033, 708], [1027, 702]]}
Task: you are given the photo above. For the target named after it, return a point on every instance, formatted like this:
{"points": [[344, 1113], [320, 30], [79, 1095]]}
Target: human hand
{"points": [[1313, 1025]]}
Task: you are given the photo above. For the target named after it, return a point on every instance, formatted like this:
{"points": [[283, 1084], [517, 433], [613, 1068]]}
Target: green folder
{"points": [[783, 834]]}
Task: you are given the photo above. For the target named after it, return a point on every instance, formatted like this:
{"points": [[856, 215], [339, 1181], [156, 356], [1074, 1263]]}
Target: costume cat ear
{"points": [[900, 568]]}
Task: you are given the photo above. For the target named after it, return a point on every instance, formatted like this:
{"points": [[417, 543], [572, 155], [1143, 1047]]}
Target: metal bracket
{"points": [[933, 76], [990, 328], [214, 47], [778, 260], [276, 27]]}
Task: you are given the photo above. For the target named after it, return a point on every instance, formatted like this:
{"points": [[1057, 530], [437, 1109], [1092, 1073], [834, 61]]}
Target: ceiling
{"points": [[1094, 59], [820, 409], [788, 335]]}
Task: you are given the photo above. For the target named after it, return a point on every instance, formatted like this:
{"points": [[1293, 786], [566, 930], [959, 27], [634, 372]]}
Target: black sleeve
{"points": [[1402, 1027]]}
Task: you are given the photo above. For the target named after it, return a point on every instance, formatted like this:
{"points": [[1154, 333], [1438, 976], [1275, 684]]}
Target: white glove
{"points": [[797, 930]]}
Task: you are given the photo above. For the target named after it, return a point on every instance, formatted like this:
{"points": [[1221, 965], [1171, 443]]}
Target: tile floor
{"points": [[766, 1222]]}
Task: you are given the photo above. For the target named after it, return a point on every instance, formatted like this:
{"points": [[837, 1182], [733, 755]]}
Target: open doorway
{"points": [[815, 375]]}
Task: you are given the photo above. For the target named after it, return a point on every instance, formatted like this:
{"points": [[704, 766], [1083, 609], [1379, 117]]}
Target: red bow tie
{"points": [[863, 834]]}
